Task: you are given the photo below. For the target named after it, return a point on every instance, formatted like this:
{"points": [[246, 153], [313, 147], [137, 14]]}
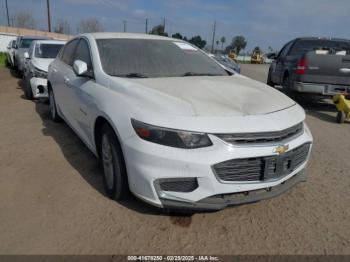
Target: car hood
{"points": [[42, 63], [218, 96]]}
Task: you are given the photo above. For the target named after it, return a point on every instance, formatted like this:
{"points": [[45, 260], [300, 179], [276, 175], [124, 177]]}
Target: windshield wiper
{"points": [[133, 75], [200, 74]]}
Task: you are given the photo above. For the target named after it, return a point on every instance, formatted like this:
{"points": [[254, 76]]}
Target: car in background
{"points": [[313, 65], [269, 58], [40, 54], [10, 52], [22, 46], [173, 126], [226, 62]]}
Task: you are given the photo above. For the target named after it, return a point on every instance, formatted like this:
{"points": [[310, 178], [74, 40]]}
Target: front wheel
{"points": [[114, 171], [341, 117], [53, 109], [27, 88]]}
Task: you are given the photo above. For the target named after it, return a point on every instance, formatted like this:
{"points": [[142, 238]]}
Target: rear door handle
{"points": [[344, 70]]}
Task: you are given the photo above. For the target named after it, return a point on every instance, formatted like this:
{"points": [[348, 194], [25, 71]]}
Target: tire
{"points": [[286, 87], [341, 116], [269, 81], [53, 108], [113, 165], [28, 92]]}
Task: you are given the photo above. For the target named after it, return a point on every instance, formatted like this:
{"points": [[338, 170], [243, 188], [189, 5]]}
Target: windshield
{"points": [[25, 43], [47, 50], [304, 46], [154, 58]]}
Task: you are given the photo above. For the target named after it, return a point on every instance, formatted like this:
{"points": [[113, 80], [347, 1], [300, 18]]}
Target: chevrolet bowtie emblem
{"points": [[281, 149]]}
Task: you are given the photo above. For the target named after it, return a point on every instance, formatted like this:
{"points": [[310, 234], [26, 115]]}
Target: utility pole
{"points": [[146, 25], [7, 12], [212, 43], [124, 21], [48, 15], [164, 23]]}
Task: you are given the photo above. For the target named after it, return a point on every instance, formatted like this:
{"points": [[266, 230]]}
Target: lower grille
{"points": [[262, 168], [184, 185]]}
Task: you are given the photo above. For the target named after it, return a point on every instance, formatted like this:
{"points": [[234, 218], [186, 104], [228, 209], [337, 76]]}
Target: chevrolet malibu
{"points": [[169, 124]]}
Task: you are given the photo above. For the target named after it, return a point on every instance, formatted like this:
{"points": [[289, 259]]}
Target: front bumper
{"points": [[147, 163], [321, 89], [39, 87], [222, 201]]}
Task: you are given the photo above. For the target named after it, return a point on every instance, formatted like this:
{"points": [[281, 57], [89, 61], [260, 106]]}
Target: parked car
{"points": [[22, 45], [312, 65], [227, 62], [269, 57], [10, 52], [40, 54], [173, 126]]}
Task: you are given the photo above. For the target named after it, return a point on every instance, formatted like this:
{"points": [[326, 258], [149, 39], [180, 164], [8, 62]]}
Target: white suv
{"points": [[170, 124]]}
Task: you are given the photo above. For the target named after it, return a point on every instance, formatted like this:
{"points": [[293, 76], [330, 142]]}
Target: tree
{"points": [[238, 43], [90, 25], [158, 30], [222, 40], [257, 49], [198, 41], [177, 36], [185, 39], [25, 20], [62, 27], [217, 43], [270, 49]]}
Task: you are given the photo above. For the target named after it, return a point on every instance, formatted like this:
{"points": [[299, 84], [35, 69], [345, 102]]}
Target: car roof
{"points": [[321, 38], [53, 42], [112, 35]]}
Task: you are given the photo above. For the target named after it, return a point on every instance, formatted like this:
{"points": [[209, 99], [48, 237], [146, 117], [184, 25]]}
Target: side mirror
{"points": [[15, 46], [26, 55], [80, 68]]}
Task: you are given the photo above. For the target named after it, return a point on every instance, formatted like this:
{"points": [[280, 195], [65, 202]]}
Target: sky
{"points": [[264, 23]]}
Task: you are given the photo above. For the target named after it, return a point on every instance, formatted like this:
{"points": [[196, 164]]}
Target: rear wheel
{"points": [[269, 80], [53, 109], [113, 165], [341, 117]]}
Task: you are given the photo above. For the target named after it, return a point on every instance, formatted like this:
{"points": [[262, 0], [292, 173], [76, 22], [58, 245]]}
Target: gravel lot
{"points": [[52, 200]]}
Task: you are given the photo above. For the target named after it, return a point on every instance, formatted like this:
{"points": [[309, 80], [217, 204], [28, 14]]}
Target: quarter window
{"points": [[68, 52], [83, 53]]}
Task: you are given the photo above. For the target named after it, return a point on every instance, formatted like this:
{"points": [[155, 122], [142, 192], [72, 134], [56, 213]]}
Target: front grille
{"points": [[184, 185], [262, 168], [264, 137]]}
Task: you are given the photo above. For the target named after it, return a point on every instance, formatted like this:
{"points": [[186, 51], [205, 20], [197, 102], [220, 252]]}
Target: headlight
{"points": [[39, 73], [170, 137]]}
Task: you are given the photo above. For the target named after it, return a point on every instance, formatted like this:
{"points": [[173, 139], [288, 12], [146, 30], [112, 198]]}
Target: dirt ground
{"points": [[52, 200]]}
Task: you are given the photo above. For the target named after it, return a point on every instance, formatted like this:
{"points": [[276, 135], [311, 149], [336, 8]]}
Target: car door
{"points": [[82, 104], [277, 67], [62, 72]]}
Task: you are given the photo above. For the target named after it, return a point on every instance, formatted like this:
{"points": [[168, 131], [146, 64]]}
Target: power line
{"points": [[7, 12], [48, 15]]}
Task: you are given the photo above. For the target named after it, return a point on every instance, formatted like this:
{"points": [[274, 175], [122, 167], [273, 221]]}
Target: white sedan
{"points": [[40, 54], [172, 126]]}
